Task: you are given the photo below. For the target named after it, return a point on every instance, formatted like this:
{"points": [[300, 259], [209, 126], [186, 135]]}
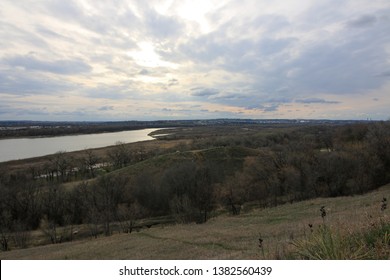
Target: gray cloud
{"points": [[106, 108], [6, 109], [240, 55], [19, 82], [269, 46], [203, 92], [216, 50], [50, 34], [362, 21], [13, 36], [69, 10], [315, 100], [237, 54], [161, 26], [63, 67], [272, 22], [175, 110], [231, 95], [280, 99], [173, 82], [110, 22], [117, 92], [144, 72], [343, 64], [271, 108], [384, 74], [264, 107], [20, 112], [346, 68], [72, 11]]}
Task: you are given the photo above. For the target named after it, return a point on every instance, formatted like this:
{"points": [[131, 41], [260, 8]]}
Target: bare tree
{"points": [[127, 213], [203, 195], [89, 162], [5, 228], [62, 164], [234, 192], [107, 194], [54, 212], [378, 139], [119, 155]]}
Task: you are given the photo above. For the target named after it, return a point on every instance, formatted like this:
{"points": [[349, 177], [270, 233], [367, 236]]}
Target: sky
{"points": [[89, 60]]}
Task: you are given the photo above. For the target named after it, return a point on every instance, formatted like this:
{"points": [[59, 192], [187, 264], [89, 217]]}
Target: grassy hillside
{"points": [[354, 227], [230, 158]]}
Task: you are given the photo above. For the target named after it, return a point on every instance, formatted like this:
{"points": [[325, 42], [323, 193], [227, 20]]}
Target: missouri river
{"points": [[22, 148]]}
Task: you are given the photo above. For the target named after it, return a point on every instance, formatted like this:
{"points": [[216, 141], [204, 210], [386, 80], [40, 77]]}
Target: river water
{"points": [[22, 148]]}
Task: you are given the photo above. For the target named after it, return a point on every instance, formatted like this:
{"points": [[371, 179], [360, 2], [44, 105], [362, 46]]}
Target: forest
{"points": [[187, 176]]}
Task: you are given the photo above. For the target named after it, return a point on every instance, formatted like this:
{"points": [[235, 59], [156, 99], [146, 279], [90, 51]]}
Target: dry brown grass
{"points": [[225, 236]]}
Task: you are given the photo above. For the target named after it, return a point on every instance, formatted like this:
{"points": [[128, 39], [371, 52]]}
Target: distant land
{"points": [[27, 128]]}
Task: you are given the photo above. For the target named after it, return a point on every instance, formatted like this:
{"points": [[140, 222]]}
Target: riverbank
{"points": [[22, 148], [147, 147]]}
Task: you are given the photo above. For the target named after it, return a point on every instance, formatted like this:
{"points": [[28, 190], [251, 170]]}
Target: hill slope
{"points": [[232, 237]]}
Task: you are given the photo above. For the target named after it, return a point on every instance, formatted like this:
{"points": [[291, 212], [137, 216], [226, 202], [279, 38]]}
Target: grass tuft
{"points": [[326, 243]]}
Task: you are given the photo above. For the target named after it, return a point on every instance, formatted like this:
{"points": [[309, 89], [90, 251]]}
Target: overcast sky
{"points": [[148, 60]]}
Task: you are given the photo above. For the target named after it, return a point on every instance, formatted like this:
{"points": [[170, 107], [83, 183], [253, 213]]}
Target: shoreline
{"points": [[79, 133], [149, 135]]}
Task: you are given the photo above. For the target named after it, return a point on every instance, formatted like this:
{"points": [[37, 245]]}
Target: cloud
{"points": [[63, 67], [20, 111], [106, 108], [316, 100], [269, 46], [21, 82], [173, 82], [13, 36], [231, 95], [203, 92], [68, 10], [281, 99], [339, 68], [51, 34], [161, 26], [362, 21], [144, 72], [271, 108], [243, 56], [86, 16], [384, 74], [117, 92], [5, 109], [264, 107]]}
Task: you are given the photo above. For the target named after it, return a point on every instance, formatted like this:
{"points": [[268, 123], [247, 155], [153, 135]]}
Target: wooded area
{"points": [[215, 169]]}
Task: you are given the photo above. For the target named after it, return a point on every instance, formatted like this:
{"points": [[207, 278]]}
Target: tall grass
{"points": [[329, 243]]}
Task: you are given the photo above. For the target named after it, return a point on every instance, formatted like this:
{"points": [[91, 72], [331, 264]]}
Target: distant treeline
{"points": [[223, 171], [15, 129], [35, 129]]}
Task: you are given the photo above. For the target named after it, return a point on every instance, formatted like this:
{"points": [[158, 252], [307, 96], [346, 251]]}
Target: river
{"points": [[22, 148]]}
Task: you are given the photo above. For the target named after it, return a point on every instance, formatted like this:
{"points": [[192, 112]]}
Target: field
{"points": [[253, 192]]}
